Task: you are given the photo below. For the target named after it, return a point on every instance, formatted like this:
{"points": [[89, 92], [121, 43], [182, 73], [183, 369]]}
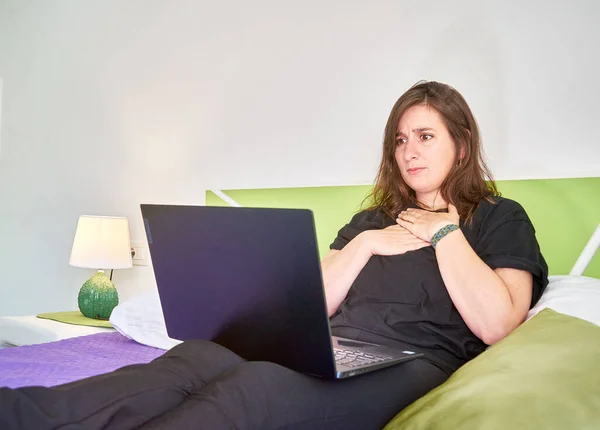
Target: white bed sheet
{"points": [[28, 330]]}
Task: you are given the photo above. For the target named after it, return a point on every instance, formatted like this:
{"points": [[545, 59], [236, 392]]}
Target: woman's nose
{"points": [[411, 150]]}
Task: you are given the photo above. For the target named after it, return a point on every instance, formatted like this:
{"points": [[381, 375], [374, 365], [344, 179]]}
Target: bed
{"points": [[71, 359], [569, 311]]}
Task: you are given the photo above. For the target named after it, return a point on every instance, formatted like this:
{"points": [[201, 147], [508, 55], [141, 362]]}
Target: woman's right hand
{"points": [[393, 240]]}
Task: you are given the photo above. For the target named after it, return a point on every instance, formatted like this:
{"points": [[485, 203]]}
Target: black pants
{"points": [[201, 385]]}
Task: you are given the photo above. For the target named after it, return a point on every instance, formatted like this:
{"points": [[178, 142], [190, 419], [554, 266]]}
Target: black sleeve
{"points": [[364, 220], [509, 241]]}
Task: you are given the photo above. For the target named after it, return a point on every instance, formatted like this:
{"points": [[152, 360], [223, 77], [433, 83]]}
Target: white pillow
{"points": [[578, 296], [140, 318]]}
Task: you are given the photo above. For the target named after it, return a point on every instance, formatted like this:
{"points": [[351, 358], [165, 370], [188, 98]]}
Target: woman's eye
{"points": [[426, 136], [400, 141]]}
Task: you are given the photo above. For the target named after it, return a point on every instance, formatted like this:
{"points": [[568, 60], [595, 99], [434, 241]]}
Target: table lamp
{"points": [[100, 243]]}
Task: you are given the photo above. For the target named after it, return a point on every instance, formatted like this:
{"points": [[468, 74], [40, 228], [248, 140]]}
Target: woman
{"points": [[438, 264]]}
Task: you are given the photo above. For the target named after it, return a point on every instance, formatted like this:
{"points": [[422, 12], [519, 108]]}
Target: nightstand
{"points": [[29, 330]]}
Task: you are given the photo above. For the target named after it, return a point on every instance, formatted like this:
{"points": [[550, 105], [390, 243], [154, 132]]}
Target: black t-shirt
{"points": [[402, 300]]}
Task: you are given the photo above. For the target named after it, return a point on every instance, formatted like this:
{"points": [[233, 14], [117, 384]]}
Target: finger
{"points": [[406, 224], [406, 213], [407, 216]]}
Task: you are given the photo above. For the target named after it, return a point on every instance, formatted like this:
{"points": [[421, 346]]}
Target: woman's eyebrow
{"points": [[416, 130]]}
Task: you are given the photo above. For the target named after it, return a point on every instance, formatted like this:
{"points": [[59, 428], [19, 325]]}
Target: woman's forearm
{"points": [[478, 293], [341, 269]]}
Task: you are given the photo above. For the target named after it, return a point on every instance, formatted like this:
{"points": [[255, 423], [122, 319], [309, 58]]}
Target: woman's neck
{"points": [[432, 201]]}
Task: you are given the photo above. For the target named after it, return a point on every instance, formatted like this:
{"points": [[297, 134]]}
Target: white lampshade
{"points": [[101, 243]]}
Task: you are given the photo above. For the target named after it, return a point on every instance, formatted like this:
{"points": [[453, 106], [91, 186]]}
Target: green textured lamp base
{"points": [[98, 297]]}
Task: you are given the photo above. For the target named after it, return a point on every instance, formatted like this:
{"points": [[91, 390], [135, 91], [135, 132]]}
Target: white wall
{"points": [[108, 104]]}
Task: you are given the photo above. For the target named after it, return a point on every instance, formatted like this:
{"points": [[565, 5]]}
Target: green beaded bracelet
{"points": [[441, 233]]}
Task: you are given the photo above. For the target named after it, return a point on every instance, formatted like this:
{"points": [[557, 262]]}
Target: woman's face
{"points": [[425, 152]]}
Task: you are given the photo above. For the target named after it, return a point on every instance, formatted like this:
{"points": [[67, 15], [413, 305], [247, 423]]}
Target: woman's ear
{"points": [[463, 147]]}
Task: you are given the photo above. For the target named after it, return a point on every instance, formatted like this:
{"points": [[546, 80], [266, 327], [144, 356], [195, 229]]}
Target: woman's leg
{"points": [[122, 399], [265, 396]]}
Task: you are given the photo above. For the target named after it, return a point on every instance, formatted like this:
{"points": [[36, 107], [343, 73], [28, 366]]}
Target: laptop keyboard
{"points": [[356, 357]]}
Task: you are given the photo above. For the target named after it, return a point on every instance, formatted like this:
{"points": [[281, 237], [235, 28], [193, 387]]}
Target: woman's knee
{"points": [[200, 361]]}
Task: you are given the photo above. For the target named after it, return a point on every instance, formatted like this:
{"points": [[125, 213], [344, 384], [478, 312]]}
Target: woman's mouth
{"points": [[415, 170]]}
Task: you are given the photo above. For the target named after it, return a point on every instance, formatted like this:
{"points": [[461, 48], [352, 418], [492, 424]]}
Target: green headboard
{"points": [[565, 212]]}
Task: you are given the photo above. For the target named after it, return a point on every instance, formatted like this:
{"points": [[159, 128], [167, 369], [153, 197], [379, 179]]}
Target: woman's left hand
{"points": [[425, 224]]}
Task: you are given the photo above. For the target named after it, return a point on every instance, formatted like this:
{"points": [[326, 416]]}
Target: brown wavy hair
{"points": [[468, 182]]}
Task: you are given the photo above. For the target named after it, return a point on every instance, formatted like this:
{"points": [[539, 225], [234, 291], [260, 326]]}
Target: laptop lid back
{"points": [[246, 278]]}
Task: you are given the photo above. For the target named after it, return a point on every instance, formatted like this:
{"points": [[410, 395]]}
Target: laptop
{"points": [[250, 279]]}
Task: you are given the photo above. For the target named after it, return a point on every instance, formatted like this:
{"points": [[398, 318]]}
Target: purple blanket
{"points": [[68, 360]]}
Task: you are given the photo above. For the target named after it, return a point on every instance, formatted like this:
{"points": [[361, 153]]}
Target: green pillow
{"points": [[545, 375]]}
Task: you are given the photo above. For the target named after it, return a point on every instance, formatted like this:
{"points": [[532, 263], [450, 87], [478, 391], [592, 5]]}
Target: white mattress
{"points": [[28, 330]]}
